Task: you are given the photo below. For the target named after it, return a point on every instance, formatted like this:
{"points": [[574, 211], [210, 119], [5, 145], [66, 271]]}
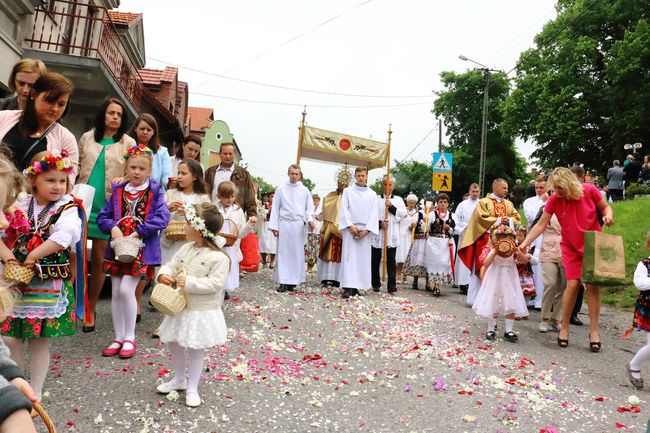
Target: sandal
{"points": [[562, 342], [594, 346], [636, 383]]}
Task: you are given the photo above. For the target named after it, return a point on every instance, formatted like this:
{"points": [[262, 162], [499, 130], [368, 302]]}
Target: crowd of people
{"points": [[156, 218]]}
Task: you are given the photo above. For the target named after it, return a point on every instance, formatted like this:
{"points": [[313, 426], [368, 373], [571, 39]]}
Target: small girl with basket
{"points": [[46, 304], [641, 319], [500, 294], [133, 216], [200, 268], [236, 226], [190, 189]]}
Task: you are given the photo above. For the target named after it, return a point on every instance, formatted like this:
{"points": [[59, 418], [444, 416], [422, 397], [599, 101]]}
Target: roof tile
{"points": [[200, 118], [123, 18]]}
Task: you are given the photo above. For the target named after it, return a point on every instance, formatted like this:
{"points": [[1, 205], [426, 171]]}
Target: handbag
{"points": [[603, 262], [41, 138]]}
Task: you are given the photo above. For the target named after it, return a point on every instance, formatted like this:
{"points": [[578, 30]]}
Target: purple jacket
{"points": [[156, 219]]}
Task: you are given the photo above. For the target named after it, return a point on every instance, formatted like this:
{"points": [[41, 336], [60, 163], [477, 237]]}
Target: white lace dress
{"points": [[500, 293]]}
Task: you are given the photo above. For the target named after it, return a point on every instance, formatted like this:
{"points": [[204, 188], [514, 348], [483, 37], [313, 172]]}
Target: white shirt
{"points": [[463, 214], [531, 207], [377, 241], [641, 277], [359, 208], [221, 175]]}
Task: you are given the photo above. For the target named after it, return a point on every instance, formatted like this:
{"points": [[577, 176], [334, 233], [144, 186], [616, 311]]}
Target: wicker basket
{"points": [[505, 247], [40, 411], [126, 249], [167, 299], [230, 238], [175, 231], [17, 272]]}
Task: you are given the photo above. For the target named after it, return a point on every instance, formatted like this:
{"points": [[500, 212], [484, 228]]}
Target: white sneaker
{"points": [[193, 399], [172, 385], [543, 327]]}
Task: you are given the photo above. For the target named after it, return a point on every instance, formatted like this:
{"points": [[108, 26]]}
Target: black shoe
{"points": [[490, 335], [375, 289], [511, 337], [226, 296], [463, 289], [575, 321], [392, 290], [346, 293], [282, 288], [290, 287], [354, 292], [138, 318]]}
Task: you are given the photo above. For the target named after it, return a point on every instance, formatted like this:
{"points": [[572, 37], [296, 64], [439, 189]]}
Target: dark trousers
{"points": [[578, 305], [390, 267]]}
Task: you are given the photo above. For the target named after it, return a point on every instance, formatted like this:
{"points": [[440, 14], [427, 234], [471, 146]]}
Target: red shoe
{"points": [[127, 353], [112, 351]]}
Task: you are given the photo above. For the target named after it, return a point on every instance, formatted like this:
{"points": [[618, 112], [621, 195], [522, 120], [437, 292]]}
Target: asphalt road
{"points": [[311, 362]]}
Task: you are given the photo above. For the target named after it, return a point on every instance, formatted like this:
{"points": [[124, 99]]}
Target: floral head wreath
{"points": [[521, 228], [198, 224], [53, 161], [138, 149], [502, 230]]}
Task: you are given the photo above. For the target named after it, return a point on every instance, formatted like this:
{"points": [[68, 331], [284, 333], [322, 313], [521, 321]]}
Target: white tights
{"points": [[124, 307], [642, 356], [193, 363], [39, 359]]}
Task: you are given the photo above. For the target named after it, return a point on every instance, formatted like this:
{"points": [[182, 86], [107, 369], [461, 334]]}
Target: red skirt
{"points": [[135, 269]]}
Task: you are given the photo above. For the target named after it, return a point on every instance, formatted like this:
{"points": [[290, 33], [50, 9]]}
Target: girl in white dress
{"points": [[235, 224], [405, 235], [500, 294], [190, 189], [200, 269]]}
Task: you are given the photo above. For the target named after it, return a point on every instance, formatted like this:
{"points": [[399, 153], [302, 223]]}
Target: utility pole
{"points": [[439, 135], [481, 172]]}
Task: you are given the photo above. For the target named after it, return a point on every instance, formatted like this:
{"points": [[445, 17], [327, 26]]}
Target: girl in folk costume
{"points": [[268, 242], [200, 268], [189, 189], [500, 294], [525, 263], [235, 224], [47, 307], [415, 264], [406, 234], [136, 209], [440, 244], [312, 243], [641, 319]]}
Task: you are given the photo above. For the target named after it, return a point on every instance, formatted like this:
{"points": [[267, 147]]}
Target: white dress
{"points": [[234, 215], [500, 293], [201, 325], [167, 246], [405, 235]]}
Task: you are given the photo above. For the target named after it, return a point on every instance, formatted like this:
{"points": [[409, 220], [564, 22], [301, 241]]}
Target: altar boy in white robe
{"points": [[390, 227], [293, 208], [358, 217], [462, 216]]}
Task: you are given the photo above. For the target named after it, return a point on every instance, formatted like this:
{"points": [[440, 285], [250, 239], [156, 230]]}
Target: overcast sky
{"points": [[375, 47]]}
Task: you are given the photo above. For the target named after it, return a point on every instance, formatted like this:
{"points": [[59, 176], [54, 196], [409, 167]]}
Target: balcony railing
{"points": [[78, 29]]}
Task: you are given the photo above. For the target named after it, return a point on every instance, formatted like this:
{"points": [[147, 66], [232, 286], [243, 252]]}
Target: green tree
{"points": [[410, 177], [309, 184], [265, 187], [461, 107], [584, 90]]}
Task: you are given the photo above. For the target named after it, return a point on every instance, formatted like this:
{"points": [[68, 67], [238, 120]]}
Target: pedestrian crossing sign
{"points": [[442, 161], [441, 181]]}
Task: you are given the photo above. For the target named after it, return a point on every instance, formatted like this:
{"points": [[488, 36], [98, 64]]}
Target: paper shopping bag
{"points": [[603, 263]]}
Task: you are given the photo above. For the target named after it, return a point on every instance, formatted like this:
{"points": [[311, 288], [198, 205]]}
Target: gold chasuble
{"points": [[330, 236], [485, 215]]}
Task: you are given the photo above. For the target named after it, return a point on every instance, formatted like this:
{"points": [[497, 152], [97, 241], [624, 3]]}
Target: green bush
{"points": [[637, 189]]}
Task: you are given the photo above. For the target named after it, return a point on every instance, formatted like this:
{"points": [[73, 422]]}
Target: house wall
{"points": [[16, 19]]}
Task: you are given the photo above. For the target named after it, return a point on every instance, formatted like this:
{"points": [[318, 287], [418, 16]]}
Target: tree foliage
{"points": [[461, 107], [584, 90], [410, 177], [265, 187], [309, 184]]}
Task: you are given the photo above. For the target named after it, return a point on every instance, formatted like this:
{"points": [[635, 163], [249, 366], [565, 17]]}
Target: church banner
{"points": [[324, 145]]}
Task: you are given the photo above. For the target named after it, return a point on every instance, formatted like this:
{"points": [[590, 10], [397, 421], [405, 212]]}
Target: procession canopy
{"points": [[323, 145]]}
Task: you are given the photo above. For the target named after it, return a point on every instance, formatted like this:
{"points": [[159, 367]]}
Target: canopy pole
{"points": [[301, 135], [386, 195]]}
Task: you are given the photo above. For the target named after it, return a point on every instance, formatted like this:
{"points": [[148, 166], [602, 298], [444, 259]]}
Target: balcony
{"points": [[80, 41]]}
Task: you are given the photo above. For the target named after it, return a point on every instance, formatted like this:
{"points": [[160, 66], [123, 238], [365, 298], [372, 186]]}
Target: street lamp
{"points": [[636, 146], [481, 170]]}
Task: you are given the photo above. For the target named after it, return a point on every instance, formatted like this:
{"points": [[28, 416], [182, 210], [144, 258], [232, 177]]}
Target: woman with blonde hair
{"points": [[575, 205], [16, 396], [21, 80]]}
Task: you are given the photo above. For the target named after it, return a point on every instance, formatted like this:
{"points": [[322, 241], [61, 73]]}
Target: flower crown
{"points": [[502, 230], [198, 224], [53, 161], [521, 228], [138, 149]]}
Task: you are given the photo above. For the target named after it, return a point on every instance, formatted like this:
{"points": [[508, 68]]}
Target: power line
{"points": [[421, 141], [293, 38], [276, 86], [292, 104]]}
